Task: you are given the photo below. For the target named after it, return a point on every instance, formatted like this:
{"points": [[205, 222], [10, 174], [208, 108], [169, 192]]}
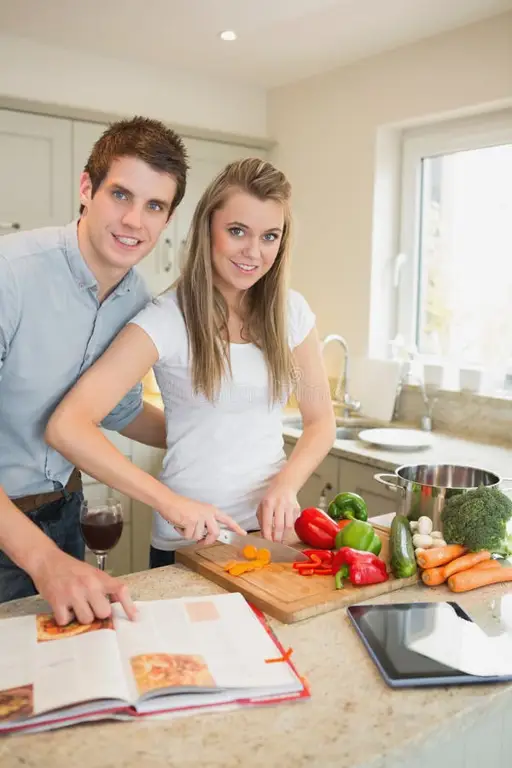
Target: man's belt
{"points": [[30, 503]]}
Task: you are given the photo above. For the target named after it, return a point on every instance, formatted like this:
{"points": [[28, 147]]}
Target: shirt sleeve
{"points": [[10, 307], [125, 411], [163, 321], [301, 319]]}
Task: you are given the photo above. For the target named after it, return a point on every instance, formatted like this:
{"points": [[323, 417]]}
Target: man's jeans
{"points": [[60, 520]]}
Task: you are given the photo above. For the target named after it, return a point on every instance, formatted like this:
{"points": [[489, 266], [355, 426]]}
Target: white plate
{"points": [[396, 438]]}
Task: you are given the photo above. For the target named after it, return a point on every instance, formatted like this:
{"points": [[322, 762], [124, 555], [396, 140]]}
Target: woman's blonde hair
{"points": [[203, 306]]}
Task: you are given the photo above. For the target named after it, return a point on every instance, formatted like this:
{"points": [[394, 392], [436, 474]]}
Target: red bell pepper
{"points": [[315, 527], [362, 568]]}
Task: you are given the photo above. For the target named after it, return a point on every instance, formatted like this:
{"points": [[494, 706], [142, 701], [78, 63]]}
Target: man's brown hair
{"points": [[146, 139]]}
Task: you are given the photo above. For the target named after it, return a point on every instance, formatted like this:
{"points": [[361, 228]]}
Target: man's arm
{"points": [[71, 587], [148, 427]]}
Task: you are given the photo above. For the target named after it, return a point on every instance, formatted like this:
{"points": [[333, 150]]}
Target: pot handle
{"points": [[393, 486]]}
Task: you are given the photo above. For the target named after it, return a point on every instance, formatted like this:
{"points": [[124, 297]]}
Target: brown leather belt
{"points": [[30, 503]]}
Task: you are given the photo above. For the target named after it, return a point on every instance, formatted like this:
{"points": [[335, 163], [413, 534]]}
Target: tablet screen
{"points": [[384, 629]]}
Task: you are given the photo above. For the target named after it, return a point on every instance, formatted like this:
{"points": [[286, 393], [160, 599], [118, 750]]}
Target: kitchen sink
{"points": [[349, 429], [347, 433]]}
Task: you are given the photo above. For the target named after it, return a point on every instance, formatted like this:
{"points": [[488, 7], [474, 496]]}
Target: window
{"points": [[455, 277]]}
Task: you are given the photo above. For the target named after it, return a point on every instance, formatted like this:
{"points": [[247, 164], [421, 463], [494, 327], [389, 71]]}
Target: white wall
{"points": [[44, 73], [327, 129]]}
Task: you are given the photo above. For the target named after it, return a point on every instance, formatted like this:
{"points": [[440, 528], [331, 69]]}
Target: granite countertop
{"points": [[445, 449], [352, 719]]}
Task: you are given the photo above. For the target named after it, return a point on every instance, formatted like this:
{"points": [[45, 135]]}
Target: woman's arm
{"points": [[73, 431], [278, 508]]}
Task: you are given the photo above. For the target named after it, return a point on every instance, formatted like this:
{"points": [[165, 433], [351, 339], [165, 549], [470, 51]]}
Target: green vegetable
{"points": [[348, 506], [479, 519], [358, 535], [403, 560], [339, 576]]}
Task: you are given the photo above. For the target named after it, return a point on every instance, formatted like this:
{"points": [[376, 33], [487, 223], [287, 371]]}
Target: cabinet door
{"points": [[327, 472], [358, 478], [119, 560], [150, 460], [35, 169]]}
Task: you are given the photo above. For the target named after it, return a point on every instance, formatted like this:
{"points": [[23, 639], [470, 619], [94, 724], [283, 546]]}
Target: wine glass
{"points": [[101, 528]]}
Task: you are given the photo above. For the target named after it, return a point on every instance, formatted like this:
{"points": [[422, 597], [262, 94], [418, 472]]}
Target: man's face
{"points": [[126, 216]]}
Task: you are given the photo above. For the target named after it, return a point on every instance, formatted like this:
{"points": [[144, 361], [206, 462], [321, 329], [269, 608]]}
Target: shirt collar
{"points": [[79, 269]]}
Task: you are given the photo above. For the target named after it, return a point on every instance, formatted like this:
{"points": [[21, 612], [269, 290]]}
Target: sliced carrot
{"points": [[239, 568], [431, 558], [230, 564], [465, 562], [250, 552], [476, 577], [263, 554]]}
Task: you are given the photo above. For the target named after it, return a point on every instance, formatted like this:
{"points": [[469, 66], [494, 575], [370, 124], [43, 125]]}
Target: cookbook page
{"points": [[199, 644], [45, 667]]}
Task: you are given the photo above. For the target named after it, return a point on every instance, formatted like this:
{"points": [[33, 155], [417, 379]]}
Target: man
{"points": [[65, 292]]}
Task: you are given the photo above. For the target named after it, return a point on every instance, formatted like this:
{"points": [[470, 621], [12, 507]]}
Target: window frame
{"points": [[480, 132]]}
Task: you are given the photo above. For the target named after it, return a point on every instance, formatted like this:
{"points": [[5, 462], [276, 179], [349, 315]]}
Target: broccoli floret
{"points": [[478, 519]]}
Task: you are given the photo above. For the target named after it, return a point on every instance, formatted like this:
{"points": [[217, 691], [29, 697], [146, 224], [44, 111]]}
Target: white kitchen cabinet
{"points": [[35, 169], [150, 460], [358, 478], [345, 475], [326, 472]]}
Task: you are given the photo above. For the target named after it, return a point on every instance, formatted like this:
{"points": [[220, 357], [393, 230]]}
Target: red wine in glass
{"points": [[101, 528]]}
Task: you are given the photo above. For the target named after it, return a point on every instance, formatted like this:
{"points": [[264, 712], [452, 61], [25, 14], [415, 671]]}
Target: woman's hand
{"points": [[277, 511], [197, 521]]}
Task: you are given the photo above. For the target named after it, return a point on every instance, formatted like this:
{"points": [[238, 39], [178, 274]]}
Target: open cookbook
{"points": [[179, 657]]}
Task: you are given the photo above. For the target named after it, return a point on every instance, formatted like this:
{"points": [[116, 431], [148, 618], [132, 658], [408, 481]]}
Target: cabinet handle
{"points": [[6, 225], [168, 254]]}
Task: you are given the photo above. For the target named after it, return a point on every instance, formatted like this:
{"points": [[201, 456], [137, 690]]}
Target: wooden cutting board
{"points": [[278, 590]]}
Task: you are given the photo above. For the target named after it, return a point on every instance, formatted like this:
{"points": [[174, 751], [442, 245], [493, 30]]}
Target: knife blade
{"points": [[280, 553]]}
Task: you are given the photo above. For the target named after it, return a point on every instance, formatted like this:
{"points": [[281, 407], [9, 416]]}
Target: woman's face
{"points": [[246, 234]]}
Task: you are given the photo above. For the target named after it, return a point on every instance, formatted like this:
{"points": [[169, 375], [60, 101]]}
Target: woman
{"points": [[227, 343]]}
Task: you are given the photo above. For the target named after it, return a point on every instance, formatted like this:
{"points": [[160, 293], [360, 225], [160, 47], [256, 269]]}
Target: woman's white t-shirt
{"points": [[222, 453]]}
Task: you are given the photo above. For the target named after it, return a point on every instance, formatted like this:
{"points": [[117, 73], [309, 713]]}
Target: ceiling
{"points": [[278, 40]]}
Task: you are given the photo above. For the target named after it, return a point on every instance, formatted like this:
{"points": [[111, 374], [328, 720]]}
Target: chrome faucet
{"points": [[341, 395]]}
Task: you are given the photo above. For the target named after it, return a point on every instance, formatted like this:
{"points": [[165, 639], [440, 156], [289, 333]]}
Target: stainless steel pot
{"points": [[424, 488]]}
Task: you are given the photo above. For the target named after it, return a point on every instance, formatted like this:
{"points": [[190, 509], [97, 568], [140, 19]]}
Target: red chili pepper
{"points": [[316, 528]]}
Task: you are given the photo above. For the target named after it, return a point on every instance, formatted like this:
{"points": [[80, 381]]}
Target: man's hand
{"points": [[75, 589]]}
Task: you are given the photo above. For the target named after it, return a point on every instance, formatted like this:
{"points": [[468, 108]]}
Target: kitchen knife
{"points": [[280, 553]]}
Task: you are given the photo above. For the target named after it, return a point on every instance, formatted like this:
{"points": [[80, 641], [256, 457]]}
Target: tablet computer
{"points": [[382, 629]]}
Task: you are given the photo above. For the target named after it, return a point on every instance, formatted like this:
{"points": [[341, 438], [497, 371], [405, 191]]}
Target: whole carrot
{"points": [[465, 562], [432, 577], [475, 577], [431, 558]]}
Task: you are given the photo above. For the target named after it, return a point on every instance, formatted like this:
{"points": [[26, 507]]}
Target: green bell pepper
{"points": [[358, 535], [348, 506]]}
